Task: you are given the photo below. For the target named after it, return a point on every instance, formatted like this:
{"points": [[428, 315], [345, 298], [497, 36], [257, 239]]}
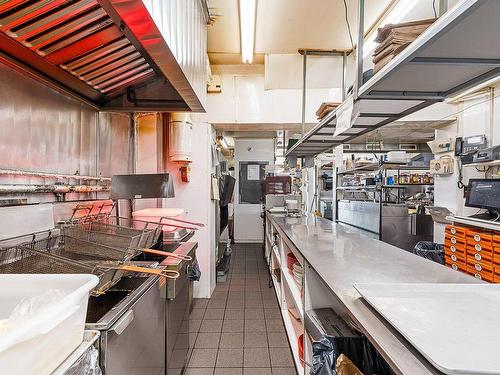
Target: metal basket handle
{"points": [[167, 254]]}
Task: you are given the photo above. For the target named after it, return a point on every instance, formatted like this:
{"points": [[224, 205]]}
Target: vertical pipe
{"points": [[304, 76], [359, 52], [443, 7], [344, 72]]}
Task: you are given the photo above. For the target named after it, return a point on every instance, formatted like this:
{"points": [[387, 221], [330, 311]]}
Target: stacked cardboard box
{"points": [[394, 38]]}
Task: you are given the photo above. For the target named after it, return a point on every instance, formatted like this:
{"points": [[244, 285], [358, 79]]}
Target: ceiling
{"points": [[284, 26]]}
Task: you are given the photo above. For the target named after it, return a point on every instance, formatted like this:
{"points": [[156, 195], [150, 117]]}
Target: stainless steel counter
{"points": [[343, 255]]}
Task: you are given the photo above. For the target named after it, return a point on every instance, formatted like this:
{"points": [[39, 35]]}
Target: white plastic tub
{"points": [[38, 345], [155, 214]]}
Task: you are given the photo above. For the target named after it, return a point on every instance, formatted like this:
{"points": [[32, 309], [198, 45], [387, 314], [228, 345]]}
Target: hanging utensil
{"points": [[168, 274]]}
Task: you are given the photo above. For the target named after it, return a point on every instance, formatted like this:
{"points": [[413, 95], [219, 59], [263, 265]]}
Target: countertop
{"points": [[343, 255]]}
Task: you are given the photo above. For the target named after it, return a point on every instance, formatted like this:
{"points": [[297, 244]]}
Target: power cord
{"points": [[434, 8], [460, 184], [348, 25]]}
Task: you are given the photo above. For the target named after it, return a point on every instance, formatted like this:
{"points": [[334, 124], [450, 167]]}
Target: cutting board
{"points": [[456, 327]]}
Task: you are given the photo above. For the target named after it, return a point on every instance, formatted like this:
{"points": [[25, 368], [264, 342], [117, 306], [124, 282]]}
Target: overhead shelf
{"points": [[460, 50]]}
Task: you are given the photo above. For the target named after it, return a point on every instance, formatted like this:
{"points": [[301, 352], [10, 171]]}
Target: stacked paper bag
{"points": [[394, 38]]}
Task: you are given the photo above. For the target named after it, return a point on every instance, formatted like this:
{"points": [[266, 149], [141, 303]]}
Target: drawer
{"points": [[479, 256], [455, 230], [479, 266], [480, 246], [486, 275], [459, 265], [454, 240], [452, 249], [496, 240], [479, 236], [456, 257]]}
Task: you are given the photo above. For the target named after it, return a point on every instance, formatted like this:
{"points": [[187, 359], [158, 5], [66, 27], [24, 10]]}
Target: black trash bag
{"points": [[194, 272], [358, 349], [430, 250]]}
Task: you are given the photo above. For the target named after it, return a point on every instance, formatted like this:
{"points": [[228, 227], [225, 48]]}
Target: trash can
{"points": [[430, 250]]}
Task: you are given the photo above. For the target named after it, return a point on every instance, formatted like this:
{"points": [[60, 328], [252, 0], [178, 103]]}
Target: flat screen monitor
{"points": [[484, 193]]}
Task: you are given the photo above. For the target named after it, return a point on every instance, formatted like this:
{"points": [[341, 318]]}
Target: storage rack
{"points": [[379, 190], [457, 52]]}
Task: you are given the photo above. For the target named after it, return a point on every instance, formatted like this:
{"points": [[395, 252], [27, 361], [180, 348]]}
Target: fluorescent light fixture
{"points": [[396, 15], [472, 90], [248, 10]]}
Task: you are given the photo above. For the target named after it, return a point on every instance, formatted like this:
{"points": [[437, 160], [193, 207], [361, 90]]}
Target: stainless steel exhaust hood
{"points": [[108, 53]]}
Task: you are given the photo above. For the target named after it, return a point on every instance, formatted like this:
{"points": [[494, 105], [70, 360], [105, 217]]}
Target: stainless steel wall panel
{"points": [[42, 130]]}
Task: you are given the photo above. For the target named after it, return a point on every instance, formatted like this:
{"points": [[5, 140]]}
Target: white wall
{"points": [[194, 197], [476, 115], [245, 100], [247, 221]]}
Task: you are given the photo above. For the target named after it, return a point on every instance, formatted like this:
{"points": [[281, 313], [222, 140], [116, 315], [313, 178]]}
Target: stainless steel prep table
{"points": [[343, 255]]}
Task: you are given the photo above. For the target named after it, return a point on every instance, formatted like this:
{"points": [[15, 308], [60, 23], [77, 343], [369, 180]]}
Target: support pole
{"points": [[344, 72], [359, 50], [443, 7], [304, 76]]}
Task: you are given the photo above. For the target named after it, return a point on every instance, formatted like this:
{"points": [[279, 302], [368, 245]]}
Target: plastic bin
{"points": [[41, 343], [430, 250], [155, 214]]}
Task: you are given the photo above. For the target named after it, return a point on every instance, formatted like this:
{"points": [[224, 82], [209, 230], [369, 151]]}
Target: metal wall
{"points": [[182, 24], [44, 131]]}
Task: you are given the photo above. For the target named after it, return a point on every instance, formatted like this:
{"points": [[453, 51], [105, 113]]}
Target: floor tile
{"points": [[277, 340], [257, 371], [255, 326], [211, 314], [230, 358], [203, 358], [231, 340], [199, 371], [273, 313], [235, 304], [281, 357], [233, 326], [194, 325], [256, 357], [275, 325], [216, 304], [252, 314], [228, 371], [211, 326], [255, 340], [200, 303], [207, 340], [232, 314], [284, 371], [197, 314]]}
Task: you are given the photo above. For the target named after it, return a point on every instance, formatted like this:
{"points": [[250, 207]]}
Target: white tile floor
{"points": [[239, 331]]}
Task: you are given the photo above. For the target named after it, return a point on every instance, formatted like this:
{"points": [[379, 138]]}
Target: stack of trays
{"points": [[455, 253]]}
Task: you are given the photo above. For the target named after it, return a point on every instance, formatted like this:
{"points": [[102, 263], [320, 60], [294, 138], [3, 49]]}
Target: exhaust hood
{"points": [[107, 53]]}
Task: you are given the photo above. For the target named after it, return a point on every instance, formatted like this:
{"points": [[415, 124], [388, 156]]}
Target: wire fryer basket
{"points": [[23, 259]]}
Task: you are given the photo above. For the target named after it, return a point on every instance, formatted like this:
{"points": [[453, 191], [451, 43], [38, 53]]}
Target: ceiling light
{"points": [[472, 90], [248, 10]]}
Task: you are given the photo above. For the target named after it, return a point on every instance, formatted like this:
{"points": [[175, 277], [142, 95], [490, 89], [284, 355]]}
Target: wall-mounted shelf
{"points": [[488, 164], [457, 52]]}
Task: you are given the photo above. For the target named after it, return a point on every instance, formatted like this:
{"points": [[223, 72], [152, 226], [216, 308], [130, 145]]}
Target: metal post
{"points": [[443, 7], [344, 72], [304, 76], [359, 52]]}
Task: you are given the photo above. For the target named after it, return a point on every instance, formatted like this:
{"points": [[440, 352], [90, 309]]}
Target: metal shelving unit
{"points": [[379, 192], [459, 51]]}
